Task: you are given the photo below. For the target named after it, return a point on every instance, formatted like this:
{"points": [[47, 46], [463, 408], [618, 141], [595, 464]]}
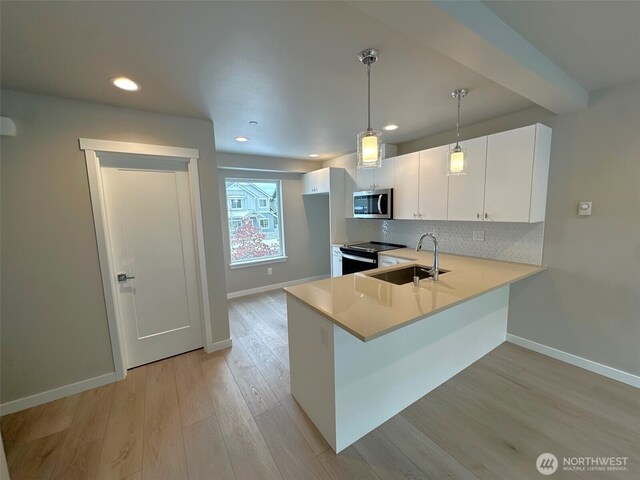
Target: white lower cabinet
{"points": [[386, 261], [336, 262]]}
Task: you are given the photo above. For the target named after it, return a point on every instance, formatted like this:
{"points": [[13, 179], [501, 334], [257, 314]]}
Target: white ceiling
{"points": [[596, 42], [291, 66]]}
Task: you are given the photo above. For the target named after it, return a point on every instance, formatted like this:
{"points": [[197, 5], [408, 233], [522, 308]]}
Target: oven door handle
{"points": [[358, 259]]}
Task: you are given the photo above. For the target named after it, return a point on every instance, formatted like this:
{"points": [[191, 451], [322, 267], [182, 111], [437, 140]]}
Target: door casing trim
{"points": [[92, 148]]}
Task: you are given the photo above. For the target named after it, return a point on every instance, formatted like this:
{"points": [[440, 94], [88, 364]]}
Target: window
{"points": [[255, 237], [235, 203], [234, 224]]}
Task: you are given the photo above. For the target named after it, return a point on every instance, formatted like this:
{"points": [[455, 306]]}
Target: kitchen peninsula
{"points": [[362, 349]]}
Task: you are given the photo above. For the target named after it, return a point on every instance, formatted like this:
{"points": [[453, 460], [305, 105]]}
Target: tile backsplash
{"points": [[514, 242]]}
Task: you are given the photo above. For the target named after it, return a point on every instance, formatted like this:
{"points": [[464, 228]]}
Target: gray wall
{"points": [[306, 232], [588, 302], [54, 327]]}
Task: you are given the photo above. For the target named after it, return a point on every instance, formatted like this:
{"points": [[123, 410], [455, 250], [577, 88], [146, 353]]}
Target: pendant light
{"points": [[369, 148], [456, 160]]}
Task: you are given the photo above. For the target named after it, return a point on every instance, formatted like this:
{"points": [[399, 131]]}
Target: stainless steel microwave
{"points": [[373, 204]]}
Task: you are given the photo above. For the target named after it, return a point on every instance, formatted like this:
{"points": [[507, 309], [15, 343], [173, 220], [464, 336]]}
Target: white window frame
{"points": [[232, 221], [266, 203], [260, 220], [264, 260]]}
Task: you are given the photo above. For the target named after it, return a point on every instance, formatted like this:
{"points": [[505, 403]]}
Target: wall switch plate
{"points": [[269, 271], [478, 235], [584, 208]]}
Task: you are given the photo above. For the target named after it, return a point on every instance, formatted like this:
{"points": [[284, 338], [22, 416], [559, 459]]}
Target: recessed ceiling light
{"points": [[253, 122], [125, 83], [314, 155], [390, 127], [241, 139]]}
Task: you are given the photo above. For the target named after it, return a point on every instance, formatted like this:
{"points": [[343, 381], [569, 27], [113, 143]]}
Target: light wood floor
{"points": [[230, 415]]}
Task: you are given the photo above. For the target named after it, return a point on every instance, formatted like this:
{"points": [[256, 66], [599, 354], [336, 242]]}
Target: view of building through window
{"points": [[255, 229]]}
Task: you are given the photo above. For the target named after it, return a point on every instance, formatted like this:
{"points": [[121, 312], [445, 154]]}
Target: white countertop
{"points": [[368, 308]]}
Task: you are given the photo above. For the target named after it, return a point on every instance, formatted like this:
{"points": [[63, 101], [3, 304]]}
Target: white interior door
{"points": [[152, 240]]}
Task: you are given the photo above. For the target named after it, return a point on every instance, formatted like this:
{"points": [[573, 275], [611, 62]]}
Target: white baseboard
{"points": [[275, 286], [56, 393], [215, 346], [590, 365]]}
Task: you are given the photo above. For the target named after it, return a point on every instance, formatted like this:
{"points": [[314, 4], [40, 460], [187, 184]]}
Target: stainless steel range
{"points": [[363, 256]]}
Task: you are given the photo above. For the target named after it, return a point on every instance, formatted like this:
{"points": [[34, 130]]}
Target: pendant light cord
{"points": [[458, 124], [368, 97]]}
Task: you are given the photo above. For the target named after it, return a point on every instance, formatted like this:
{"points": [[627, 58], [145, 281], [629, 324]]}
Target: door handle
{"points": [[123, 277]]}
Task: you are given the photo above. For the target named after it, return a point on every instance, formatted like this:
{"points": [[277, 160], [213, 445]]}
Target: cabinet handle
{"points": [[486, 216], [477, 216]]}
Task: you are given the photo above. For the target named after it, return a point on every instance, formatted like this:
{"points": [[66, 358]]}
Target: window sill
{"points": [[255, 263]]}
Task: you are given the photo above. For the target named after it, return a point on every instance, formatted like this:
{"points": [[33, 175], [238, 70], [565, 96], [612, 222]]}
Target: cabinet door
{"points": [[322, 180], [307, 183], [466, 192], [384, 177], [364, 180], [509, 174], [316, 182], [434, 185], [405, 194], [385, 261], [336, 264]]}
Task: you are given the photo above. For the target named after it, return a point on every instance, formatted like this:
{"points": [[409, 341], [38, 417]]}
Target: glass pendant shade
{"points": [[369, 149], [456, 162]]}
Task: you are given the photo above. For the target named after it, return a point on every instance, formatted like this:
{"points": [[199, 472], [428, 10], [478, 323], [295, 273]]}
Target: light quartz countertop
{"points": [[368, 308]]}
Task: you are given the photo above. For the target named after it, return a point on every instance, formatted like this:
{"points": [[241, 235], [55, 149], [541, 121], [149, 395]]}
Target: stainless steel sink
{"points": [[401, 276]]}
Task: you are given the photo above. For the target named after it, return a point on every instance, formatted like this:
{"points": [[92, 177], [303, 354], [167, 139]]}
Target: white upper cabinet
{"points": [[364, 179], [517, 174], [506, 178], [377, 178], [405, 194], [316, 182], [421, 185], [466, 192], [433, 184], [385, 176]]}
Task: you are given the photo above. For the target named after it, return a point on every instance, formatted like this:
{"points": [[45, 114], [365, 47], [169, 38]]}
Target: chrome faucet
{"points": [[435, 269]]}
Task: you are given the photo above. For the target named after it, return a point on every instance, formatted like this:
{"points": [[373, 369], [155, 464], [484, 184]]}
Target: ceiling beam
{"points": [[471, 34]]}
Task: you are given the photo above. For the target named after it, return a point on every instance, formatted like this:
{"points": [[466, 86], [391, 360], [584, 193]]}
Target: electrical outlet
{"points": [[478, 235], [269, 271]]}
